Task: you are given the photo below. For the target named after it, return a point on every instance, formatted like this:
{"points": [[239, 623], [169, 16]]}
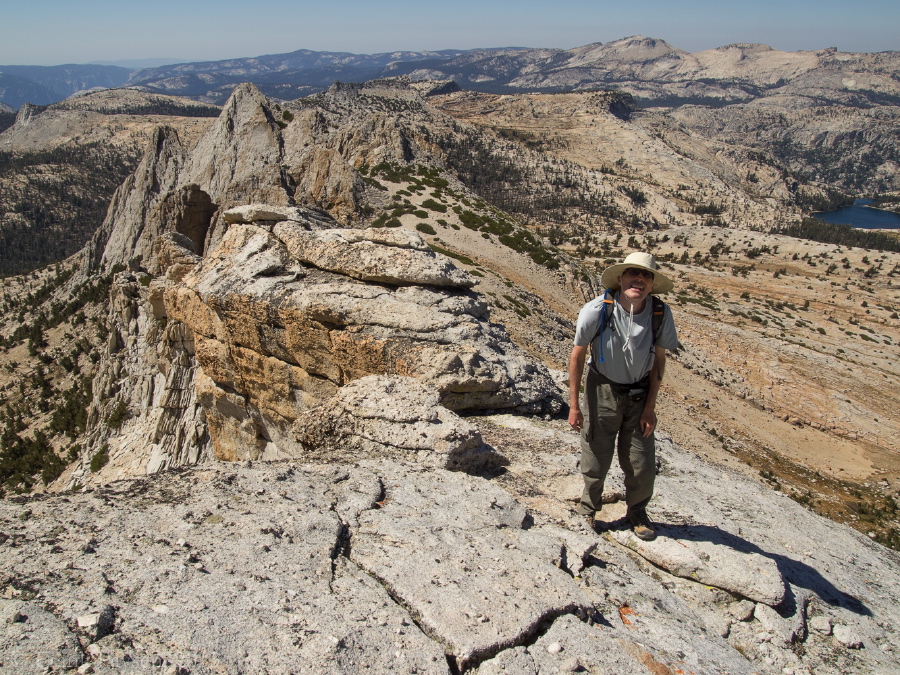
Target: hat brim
{"points": [[610, 278]]}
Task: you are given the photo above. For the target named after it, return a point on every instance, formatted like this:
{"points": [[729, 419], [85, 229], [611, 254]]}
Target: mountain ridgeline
{"points": [[655, 72], [811, 130], [43, 85]]}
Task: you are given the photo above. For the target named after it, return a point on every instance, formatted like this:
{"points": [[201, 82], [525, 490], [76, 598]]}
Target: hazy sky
{"points": [[52, 32]]}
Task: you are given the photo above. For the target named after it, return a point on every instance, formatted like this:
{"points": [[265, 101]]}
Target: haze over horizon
{"points": [[54, 32]]}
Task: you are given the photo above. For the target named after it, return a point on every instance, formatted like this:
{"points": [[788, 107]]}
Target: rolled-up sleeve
{"points": [[588, 322], [668, 337]]}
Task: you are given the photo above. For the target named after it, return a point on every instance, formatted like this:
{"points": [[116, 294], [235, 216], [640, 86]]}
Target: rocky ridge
{"points": [[121, 118], [225, 330], [394, 567]]}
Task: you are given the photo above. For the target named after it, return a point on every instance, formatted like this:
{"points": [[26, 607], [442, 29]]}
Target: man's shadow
{"points": [[794, 572]]}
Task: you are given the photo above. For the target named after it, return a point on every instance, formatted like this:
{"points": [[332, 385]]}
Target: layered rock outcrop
{"points": [[275, 336], [225, 352]]}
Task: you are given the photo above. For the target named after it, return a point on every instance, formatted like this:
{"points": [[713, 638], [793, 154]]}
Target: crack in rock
{"points": [[451, 548]]}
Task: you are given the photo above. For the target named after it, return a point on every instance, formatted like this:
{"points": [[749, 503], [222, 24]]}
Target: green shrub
{"points": [[374, 183], [470, 220], [117, 416], [524, 242], [451, 254], [434, 206], [426, 228], [101, 459], [384, 221]]}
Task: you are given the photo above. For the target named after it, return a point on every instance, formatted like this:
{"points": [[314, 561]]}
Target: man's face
{"points": [[636, 284]]}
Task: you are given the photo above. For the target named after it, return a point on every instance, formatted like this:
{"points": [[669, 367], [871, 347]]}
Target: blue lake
{"points": [[862, 216]]}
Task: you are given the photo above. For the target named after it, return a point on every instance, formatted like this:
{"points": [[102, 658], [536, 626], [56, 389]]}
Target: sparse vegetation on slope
{"points": [[51, 202], [45, 397], [489, 221], [842, 235], [498, 173]]}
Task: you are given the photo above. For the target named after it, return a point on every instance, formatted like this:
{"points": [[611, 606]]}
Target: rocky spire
{"points": [[132, 220], [238, 161]]}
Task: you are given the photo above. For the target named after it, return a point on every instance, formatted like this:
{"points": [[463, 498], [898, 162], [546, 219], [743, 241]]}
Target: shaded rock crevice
{"points": [[191, 212], [149, 367]]}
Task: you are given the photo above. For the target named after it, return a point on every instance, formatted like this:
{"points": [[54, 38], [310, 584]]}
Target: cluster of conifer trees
{"points": [[52, 202], [843, 235], [27, 456], [7, 119]]}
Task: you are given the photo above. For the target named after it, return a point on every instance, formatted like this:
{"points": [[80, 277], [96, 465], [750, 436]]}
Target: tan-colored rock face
{"points": [[274, 337]]}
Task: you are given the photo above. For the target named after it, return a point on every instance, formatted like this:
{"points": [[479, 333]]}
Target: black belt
{"points": [[636, 391]]}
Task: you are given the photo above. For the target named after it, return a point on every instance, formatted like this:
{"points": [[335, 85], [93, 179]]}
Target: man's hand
{"points": [[576, 419], [648, 421], [576, 370], [648, 417]]}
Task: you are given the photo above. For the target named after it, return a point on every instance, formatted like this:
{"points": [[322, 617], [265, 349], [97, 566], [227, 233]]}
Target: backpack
{"points": [[659, 310]]}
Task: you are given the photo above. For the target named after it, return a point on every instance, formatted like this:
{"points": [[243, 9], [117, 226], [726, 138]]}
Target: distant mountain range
{"points": [[653, 71], [136, 64], [302, 71], [43, 85]]}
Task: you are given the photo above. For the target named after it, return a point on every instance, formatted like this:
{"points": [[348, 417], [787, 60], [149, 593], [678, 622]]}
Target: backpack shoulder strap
{"points": [[659, 311], [606, 310]]}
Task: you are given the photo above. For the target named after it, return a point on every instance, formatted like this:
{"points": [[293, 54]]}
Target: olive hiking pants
{"points": [[612, 422]]}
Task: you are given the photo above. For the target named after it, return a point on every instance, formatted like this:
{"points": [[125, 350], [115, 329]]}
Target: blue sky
{"points": [[51, 32]]}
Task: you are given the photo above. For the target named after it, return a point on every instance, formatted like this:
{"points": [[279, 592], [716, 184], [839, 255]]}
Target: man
{"points": [[626, 368]]}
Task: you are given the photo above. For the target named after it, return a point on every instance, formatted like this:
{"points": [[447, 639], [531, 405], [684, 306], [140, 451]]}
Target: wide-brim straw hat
{"points": [[645, 261]]}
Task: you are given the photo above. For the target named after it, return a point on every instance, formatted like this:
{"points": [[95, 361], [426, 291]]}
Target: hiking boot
{"points": [[640, 523]]}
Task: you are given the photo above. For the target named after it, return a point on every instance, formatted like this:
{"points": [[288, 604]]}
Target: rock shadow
{"points": [[495, 468], [795, 572]]}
